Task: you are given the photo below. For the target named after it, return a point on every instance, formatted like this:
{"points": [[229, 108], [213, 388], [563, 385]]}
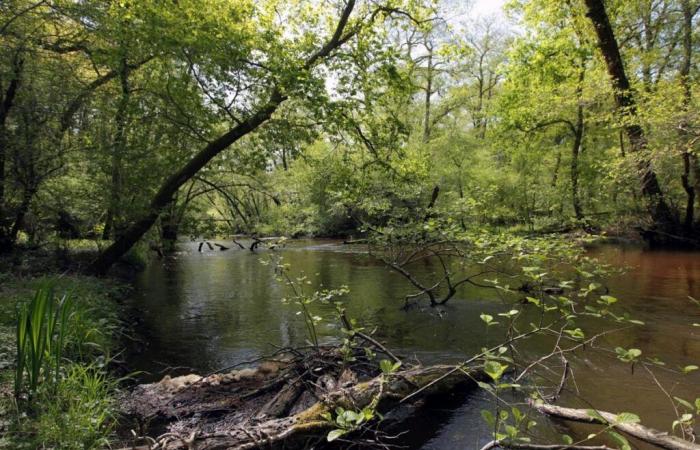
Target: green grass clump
{"points": [[41, 331], [79, 414]]}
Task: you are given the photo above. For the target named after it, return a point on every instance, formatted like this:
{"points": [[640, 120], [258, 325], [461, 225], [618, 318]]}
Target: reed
{"points": [[41, 330]]}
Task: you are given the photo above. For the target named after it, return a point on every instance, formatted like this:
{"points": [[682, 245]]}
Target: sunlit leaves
{"points": [[628, 355], [494, 369]]}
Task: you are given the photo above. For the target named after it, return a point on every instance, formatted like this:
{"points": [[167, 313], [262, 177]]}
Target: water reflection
{"points": [[208, 310]]}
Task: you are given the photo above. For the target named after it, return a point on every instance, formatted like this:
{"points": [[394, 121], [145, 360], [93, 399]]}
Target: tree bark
{"points": [[576, 150], [660, 212], [165, 194], [6, 103], [689, 159], [428, 93], [113, 223]]}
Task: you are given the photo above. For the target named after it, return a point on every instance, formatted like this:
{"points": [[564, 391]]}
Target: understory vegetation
{"points": [[57, 390]]}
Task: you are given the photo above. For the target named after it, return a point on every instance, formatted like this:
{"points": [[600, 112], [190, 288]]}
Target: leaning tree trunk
{"points": [[166, 192], [660, 212], [168, 189]]}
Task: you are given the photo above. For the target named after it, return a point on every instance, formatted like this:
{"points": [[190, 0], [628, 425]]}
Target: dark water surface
{"points": [[203, 311]]}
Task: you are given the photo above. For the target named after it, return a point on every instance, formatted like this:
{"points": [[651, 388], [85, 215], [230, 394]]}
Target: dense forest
{"points": [[136, 122], [456, 150]]}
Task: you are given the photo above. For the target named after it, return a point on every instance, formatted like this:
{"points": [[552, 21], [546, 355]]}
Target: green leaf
{"points": [[625, 417], [386, 366], [485, 386], [488, 417], [620, 440], [688, 369], [686, 404], [608, 299], [494, 369], [577, 334], [335, 434], [596, 415]]}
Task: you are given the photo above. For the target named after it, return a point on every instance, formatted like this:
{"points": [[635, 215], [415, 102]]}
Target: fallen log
{"points": [[655, 437], [527, 446], [266, 408]]}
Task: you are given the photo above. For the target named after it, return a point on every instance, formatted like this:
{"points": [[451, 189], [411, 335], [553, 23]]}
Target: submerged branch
{"points": [[655, 437]]}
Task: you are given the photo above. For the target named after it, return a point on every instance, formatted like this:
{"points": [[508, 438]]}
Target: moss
{"points": [[312, 413]]}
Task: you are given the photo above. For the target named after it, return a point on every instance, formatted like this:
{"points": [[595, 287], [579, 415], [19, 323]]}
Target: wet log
{"points": [[655, 437], [264, 430]]}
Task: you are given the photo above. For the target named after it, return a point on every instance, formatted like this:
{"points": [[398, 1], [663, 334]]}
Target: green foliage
{"points": [[628, 355], [347, 421], [41, 338], [72, 405], [495, 370], [388, 367], [80, 411], [305, 301]]}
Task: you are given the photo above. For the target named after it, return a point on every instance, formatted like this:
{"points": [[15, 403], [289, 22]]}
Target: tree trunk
{"points": [[689, 158], [6, 102], [576, 149], [21, 212], [169, 227], [168, 189], [166, 192], [428, 94], [660, 212], [555, 173], [113, 224]]}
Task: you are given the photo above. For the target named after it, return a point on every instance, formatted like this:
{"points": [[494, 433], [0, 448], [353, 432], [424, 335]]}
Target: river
{"points": [[205, 310]]}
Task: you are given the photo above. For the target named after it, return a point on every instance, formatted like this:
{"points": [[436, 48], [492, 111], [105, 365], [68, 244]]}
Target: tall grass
{"points": [[41, 331], [80, 413]]}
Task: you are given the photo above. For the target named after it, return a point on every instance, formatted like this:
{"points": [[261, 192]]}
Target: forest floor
{"points": [[96, 332]]}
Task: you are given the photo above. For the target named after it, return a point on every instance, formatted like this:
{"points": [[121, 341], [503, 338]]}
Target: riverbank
{"points": [[79, 412]]}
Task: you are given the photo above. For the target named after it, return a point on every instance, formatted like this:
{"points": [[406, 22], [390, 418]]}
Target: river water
{"points": [[206, 310]]}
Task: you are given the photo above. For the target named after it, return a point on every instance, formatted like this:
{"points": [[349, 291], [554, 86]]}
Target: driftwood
{"points": [[658, 438], [279, 402], [526, 446]]}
